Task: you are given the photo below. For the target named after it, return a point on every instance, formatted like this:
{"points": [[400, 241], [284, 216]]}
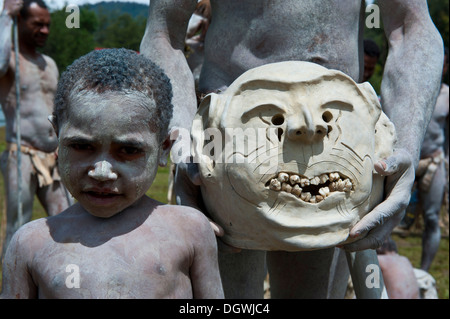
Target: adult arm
{"points": [[10, 9], [409, 89], [163, 43]]}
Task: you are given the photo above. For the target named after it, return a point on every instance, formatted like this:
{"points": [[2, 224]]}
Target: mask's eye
{"points": [[277, 119], [327, 116]]}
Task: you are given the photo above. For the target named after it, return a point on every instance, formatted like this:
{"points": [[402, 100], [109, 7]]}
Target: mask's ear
{"points": [[372, 98], [165, 151], [385, 137], [206, 117]]}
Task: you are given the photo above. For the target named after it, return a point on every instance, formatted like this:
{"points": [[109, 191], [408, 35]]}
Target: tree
{"points": [[439, 14], [65, 44], [120, 31]]}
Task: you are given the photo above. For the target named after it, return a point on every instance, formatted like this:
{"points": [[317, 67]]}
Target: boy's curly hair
{"points": [[116, 70]]}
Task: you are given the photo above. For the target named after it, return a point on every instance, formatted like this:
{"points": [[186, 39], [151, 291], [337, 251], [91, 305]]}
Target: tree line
{"points": [[97, 30]]}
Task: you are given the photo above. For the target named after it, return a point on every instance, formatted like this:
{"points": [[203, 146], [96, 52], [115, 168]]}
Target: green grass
{"points": [[409, 246]]}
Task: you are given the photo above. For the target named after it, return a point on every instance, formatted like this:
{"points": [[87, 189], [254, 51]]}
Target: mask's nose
{"points": [[102, 171], [305, 128]]}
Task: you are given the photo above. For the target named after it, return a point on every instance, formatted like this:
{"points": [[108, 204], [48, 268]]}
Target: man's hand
{"points": [[12, 7], [374, 227]]}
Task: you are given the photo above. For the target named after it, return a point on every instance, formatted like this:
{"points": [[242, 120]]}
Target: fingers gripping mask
{"points": [[286, 156]]}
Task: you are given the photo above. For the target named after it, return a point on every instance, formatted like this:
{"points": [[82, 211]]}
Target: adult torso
{"points": [[434, 137], [247, 34], [38, 82]]}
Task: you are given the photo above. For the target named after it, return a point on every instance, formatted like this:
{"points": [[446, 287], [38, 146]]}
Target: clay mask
{"points": [[291, 166]]}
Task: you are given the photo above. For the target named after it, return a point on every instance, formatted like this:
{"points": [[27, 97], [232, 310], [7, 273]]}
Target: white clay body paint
{"points": [[102, 171], [108, 152]]}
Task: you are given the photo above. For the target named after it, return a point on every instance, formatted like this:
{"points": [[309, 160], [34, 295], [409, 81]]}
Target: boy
{"points": [[112, 110]]}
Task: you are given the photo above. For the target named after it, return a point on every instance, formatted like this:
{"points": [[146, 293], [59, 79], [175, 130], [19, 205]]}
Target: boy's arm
{"points": [[17, 282], [204, 272]]}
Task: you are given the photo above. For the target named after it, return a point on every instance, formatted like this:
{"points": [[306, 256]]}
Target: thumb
{"points": [[392, 164]]}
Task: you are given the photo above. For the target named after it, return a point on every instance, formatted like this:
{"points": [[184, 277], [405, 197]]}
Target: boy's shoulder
{"points": [[185, 217], [31, 235], [34, 227], [183, 212]]}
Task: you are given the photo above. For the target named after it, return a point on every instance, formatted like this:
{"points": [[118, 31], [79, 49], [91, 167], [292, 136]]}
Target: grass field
{"points": [[409, 246]]}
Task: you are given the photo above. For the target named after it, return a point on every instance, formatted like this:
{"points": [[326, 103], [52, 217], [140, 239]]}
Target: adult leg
{"points": [[315, 274], [243, 274], [29, 185], [431, 202]]}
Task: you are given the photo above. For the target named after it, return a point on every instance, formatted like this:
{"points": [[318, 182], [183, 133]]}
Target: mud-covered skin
{"points": [[38, 81], [241, 39], [126, 256], [115, 242], [431, 199]]}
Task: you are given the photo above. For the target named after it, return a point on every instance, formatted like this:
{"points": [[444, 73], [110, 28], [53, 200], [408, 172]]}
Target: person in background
{"points": [[38, 144], [246, 34]]}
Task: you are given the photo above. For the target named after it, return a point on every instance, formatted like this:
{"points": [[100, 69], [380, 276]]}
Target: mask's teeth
{"points": [[294, 179], [324, 191], [295, 185], [323, 178], [304, 182], [275, 184], [286, 187], [347, 185], [334, 176], [315, 180], [296, 190], [283, 177], [306, 196]]}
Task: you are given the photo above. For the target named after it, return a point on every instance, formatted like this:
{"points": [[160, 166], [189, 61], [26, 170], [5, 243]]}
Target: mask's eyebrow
{"points": [[262, 110], [340, 104], [264, 107]]}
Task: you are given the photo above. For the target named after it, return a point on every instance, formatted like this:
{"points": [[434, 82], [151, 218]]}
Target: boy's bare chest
{"points": [[111, 270]]}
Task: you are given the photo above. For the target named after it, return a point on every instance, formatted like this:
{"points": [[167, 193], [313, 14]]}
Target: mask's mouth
{"points": [[310, 190]]}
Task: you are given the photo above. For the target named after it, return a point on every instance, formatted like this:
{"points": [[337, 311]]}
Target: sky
{"points": [[58, 4]]}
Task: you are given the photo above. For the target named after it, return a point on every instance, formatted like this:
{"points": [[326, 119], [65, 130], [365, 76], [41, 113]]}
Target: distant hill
{"points": [[112, 8]]}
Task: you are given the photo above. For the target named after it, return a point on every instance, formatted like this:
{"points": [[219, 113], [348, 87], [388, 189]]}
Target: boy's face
{"points": [[108, 154]]}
